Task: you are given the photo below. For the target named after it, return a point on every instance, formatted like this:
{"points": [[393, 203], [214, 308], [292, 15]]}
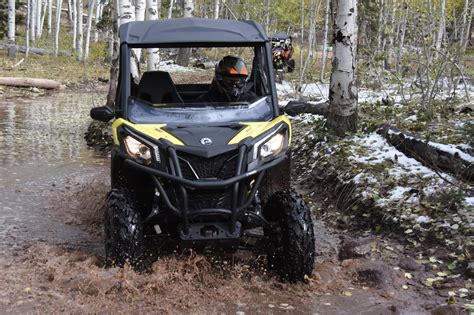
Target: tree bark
{"points": [[69, 11], [74, 24], [27, 26], [216, 9], [170, 9], [80, 34], [140, 6], [127, 14], [294, 108], [152, 14], [343, 87], [57, 25], [30, 82], [441, 27], [38, 18], [325, 40], [11, 29], [88, 30], [33, 20], [184, 54], [50, 18]]}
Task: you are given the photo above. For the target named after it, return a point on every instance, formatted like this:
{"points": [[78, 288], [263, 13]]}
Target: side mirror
{"points": [[103, 113]]}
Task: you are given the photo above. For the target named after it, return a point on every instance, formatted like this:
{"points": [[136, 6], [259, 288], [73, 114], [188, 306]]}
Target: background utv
{"points": [[201, 173]]}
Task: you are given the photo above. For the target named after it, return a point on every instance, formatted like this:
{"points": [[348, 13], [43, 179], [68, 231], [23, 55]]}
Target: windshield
{"points": [[215, 85], [199, 113]]}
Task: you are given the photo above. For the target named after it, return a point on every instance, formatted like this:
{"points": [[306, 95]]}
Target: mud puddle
{"points": [[52, 191]]}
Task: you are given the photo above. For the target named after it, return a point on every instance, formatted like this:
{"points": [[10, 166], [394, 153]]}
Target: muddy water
{"points": [[52, 190]]}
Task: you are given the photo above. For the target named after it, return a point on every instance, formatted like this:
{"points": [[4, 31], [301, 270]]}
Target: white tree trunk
{"points": [[140, 6], [80, 33], [466, 26], [50, 18], [27, 26], [11, 29], [33, 20], [38, 18], [170, 9], [216, 8], [325, 40], [152, 14], [442, 27], [74, 24], [43, 15], [343, 89], [127, 14], [96, 21], [70, 9], [90, 15], [57, 25]]}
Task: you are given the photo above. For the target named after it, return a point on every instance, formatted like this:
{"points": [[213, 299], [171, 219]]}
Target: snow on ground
{"points": [[372, 150], [317, 91], [170, 66]]}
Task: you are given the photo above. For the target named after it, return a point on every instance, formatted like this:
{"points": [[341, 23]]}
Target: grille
{"points": [[209, 199], [222, 166]]}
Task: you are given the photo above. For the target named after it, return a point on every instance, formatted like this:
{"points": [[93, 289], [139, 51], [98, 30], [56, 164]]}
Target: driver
{"points": [[229, 83]]}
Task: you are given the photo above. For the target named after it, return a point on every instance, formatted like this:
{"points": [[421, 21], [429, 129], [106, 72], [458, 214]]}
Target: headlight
{"points": [[273, 146], [137, 149]]}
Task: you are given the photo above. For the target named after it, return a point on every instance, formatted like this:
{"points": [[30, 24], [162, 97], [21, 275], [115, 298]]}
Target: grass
{"points": [[65, 69]]}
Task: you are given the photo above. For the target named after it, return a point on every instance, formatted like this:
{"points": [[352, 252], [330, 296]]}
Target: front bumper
{"points": [[242, 187]]}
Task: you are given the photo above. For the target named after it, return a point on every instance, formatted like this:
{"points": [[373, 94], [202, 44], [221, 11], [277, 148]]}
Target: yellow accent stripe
{"points": [[255, 129], [152, 130]]}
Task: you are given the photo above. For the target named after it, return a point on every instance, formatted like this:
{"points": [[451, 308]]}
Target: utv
{"points": [[201, 173]]}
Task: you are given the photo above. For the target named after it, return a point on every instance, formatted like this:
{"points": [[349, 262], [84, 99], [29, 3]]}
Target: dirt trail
{"points": [[52, 191]]}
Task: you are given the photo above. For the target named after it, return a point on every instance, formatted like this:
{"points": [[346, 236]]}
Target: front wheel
{"points": [[291, 246], [124, 237]]}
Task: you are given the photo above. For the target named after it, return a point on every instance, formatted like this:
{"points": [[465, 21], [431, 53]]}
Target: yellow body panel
{"points": [[252, 129], [151, 130], [255, 129]]}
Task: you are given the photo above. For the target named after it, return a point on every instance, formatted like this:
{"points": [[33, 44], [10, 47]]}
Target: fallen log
{"points": [[435, 155], [37, 51], [30, 82], [294, 108]]}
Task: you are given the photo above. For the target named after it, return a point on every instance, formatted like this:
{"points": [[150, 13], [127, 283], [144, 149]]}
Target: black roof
{"points": [[192, 31]]}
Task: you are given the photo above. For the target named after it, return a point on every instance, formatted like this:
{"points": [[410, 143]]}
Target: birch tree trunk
{"points": [[216, 9], [79, 38], [170, 9], [38, 19], [74, 24], [50, 18], [69, 11], [127, 14], [43, 16], [11, 29], [57, 24], [441, 28], [96, 21], [27, 26], [140, 6], [90, 15], [184, 54], [325, 40], [342, 116], [33, 20], [152, 14]]}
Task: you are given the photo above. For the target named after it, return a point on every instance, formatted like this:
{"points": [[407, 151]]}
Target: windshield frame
{"points": [[124, 81]]}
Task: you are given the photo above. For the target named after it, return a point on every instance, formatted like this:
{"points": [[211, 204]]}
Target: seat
{"points": [[157, 87]]}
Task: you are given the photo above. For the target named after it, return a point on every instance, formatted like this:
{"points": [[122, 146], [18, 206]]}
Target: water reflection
{"points": [[43, 132]]}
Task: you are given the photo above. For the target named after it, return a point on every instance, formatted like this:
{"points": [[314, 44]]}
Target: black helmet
{"points": [[231, 76]]}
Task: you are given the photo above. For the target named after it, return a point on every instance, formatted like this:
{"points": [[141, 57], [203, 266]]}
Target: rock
{"points": [[410, 264], [446, 310], [355, 248], [470, 270], [375, 275]]}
